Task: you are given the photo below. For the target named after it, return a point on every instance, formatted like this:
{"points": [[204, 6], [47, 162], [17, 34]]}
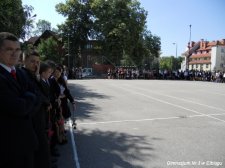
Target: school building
{"points": [[205, 55]]}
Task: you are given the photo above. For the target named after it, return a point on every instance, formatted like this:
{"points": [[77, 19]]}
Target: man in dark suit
{"points": [[31, 69], [18, 140]]}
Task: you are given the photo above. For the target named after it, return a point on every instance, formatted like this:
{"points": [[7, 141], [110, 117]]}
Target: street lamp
{"points": [[68, 51], [176, 48], [189, 48]]}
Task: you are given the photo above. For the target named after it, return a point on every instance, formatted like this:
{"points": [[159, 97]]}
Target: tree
{"points": [[48, 49], [29, 23], [165, 63], [170, 63], [151, 48], [12, 17], [41, 27], [119, 24], [77, 27]]}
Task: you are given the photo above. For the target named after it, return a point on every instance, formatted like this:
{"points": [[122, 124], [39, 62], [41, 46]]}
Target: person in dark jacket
{"points": [[59, 88], [45, 72], [18, 139], [31, 68], [65, 94]]}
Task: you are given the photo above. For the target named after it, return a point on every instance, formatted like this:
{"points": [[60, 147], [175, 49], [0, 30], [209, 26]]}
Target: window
{"points": [[207, 65], [88, 46]]}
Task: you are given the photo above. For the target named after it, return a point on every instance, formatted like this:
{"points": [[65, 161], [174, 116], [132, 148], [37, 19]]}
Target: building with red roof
{"points": [[205, 55]]}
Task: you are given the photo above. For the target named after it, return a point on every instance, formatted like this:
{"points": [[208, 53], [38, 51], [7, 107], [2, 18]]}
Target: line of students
{"points": [[33, 106]]}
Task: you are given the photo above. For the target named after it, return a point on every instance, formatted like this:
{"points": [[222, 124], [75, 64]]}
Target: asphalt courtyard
{"points": [[147, 124]]}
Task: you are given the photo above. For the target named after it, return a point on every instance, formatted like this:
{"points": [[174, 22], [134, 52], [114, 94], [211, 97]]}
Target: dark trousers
{"points": [[42, 155], [22, 161]]}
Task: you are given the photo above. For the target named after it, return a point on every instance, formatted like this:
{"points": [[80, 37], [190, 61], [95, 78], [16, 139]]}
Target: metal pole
{"points": [[189, 48], [87, 61], [190, 35], [68, 51], [176, 49], [175, 56]]}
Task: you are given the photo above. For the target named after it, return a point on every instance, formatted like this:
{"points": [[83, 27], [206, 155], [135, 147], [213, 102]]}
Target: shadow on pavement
{"points": [[85, 109], [106, 149], [98, 149]]}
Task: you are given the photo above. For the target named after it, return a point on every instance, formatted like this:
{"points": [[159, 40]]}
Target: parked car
{"points": [[87, 73]]}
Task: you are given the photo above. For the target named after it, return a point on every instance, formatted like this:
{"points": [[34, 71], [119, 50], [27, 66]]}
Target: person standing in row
{"points": [[31, 69], [18, 138]]}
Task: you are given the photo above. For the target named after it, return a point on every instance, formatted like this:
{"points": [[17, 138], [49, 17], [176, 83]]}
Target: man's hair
{"points": [[29, 53], [51, 63], [7, 36], [44, 67], [59, 68]]}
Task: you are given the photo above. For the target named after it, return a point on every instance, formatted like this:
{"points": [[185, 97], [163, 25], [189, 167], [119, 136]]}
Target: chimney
{"points": [[201, 43], [223, 41]]}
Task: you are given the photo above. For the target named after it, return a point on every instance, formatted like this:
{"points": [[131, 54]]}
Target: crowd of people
{"points": [[34, 107], [196, 75]]}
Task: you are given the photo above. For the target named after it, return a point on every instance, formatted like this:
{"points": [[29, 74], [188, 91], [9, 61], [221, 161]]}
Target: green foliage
{"points": [[165, 63], [152, 44], [170, 63], [29, 23], [151, 48], [41, 27], [77, 27], [119, 26], [12, 17], [48, 49]]}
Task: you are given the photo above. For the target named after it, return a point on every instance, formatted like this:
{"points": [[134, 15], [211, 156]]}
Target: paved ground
{"points": [[147, 124]]}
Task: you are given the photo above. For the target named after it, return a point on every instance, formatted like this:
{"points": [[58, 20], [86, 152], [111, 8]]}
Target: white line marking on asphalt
{"points": [[166, 102], [216, 93], [122, 121], [76, 160], [148, 119], [178, 98]]}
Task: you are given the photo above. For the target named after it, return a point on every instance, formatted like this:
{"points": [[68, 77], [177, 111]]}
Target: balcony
{"points": [[201, 55], [200, 62]]}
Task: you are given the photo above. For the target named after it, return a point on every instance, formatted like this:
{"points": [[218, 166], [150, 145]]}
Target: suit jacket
{"points": [[54, 89], [39, 116], [46, 92], [16, 127], [45, 88]]}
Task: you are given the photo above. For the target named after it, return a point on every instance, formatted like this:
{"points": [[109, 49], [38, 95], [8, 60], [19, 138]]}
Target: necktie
{"points": [[13, 73]]}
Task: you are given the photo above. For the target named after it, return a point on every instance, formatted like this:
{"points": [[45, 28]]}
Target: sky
{"points": [[168, 19]]}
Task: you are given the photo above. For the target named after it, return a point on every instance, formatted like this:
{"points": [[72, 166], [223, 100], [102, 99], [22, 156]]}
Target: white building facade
{"points": [[205, 56], [218, 58]]}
